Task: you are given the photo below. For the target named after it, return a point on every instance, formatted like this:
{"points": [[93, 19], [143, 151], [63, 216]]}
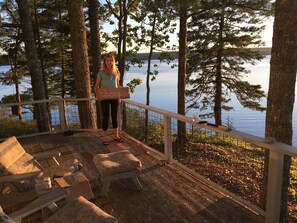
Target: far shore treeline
{"points": [[174, 55], [143, 56], [4, 60]]}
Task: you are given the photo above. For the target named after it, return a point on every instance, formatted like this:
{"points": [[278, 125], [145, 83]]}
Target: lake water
{"points": [[164, 95]]}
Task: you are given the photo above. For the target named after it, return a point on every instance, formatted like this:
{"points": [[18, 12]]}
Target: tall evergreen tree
{"points": [[184, 10], [153, 33], [120, 10], [93, 8], [56, 48], [182, 70], [15, 73], [95, 50], [11, 43], [81, 64], [39, 48], [40, 109], [218, 51], [283, 68]]}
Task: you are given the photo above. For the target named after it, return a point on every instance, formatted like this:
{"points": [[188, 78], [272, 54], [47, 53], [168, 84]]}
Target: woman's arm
{"points": [[118, 78], [97, 84], [118, 83]]}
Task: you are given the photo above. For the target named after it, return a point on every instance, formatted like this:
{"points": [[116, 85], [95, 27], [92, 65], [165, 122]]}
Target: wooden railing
{"points": [[276, 158]]}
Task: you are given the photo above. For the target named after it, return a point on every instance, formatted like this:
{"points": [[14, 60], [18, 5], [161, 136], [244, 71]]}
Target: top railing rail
{"points": [[256, 140]]}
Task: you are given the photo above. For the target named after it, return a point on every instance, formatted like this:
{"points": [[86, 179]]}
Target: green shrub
{"points": [[136, 128], [9, 127]]}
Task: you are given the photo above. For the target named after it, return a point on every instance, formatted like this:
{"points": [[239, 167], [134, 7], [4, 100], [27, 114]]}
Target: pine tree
{"points": [[11, 43], [153, 34], [219, 37], [56, 49], [121, 10], [95, 49], [33, 62], [81, 65], [282, 86], [184, 9]]}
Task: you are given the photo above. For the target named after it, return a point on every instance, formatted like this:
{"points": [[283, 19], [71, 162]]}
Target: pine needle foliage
{"points": [[220, 37]]}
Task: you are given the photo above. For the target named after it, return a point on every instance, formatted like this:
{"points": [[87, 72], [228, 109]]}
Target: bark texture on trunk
{"points": [[81, 63], [181, 87], [40, 109], [281, 94], [95, 49]]}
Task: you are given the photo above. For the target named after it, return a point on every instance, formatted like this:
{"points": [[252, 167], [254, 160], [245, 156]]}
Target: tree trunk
{"points": [[42, 115], [14, 67], [95, 48], [181, 87], [283, 67], [18, 100], [218, 91], [120, 40], [62, 57], [81, 63], [124, 43], [148, 76], [40, 54], [218, 79], [39, 50]]}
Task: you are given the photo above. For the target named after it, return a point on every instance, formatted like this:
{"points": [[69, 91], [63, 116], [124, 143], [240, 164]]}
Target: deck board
{"points": [[169, 194]]}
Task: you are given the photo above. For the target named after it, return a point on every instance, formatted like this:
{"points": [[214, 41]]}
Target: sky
{"points": [[266, 35]]}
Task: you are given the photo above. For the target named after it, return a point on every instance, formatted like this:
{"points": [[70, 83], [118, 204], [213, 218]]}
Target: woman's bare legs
{"points": [[104, 136], [116, 133], [117, 137]]}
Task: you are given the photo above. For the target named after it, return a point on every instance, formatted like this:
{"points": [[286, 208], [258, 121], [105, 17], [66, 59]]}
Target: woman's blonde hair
{"points": [[114, 69]]}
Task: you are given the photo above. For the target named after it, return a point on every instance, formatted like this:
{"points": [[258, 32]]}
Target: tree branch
{"points": [[111, 9]]}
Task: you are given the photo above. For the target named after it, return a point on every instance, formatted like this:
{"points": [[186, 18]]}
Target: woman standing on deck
{"points": [[109, 77]]}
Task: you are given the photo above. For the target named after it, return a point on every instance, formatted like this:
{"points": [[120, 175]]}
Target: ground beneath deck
{"points": [[169, 194]]}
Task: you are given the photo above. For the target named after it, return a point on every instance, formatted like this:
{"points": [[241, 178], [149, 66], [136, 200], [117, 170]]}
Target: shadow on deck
{"points": [[169, 194]]}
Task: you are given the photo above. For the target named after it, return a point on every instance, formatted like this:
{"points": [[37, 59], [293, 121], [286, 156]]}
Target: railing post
{"points": [[61, 114], [167, 139], [274, 187]]}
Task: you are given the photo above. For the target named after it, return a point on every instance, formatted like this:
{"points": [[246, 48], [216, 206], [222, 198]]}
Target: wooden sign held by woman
{"points": [[112, 93]]}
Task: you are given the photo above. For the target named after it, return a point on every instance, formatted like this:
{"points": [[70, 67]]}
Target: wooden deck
{"points": [[169, 194]]}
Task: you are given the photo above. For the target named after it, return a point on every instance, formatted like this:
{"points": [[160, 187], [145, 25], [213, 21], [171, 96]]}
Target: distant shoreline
{"points": [[143, 56], [174, 54]]}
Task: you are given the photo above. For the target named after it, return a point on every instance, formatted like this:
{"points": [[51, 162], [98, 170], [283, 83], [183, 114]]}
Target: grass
{"points": [[235, 166]]}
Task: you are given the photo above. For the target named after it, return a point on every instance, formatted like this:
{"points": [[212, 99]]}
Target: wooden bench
{"points": [[78, 210], [116, 166]]}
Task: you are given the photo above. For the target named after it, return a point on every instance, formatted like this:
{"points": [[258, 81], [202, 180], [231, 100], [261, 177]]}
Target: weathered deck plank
{"points": [[169, 194]]}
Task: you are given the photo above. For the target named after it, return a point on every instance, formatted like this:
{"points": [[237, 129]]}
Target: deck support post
{"points": [[167, 139], [274, 187]]}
